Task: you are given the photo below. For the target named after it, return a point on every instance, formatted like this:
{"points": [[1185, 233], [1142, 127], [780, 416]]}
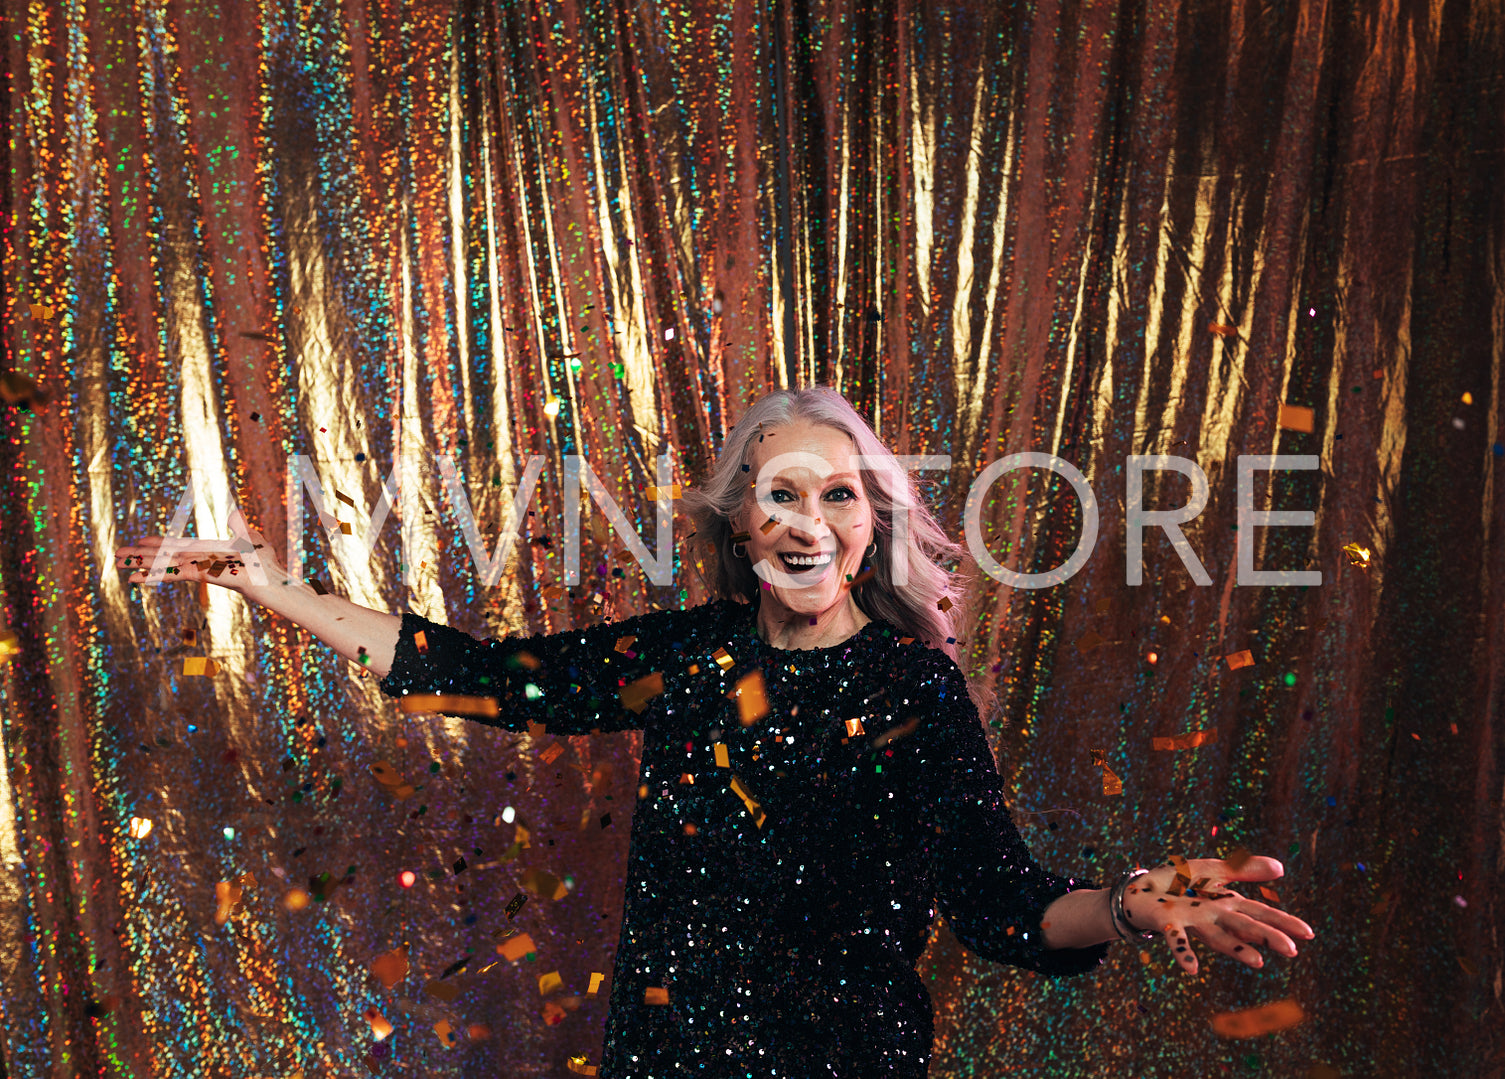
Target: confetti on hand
{"points": [[1207, 910]]}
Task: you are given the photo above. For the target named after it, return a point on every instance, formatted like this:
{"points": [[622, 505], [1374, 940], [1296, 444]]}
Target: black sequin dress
{"points": [[786, 923]]}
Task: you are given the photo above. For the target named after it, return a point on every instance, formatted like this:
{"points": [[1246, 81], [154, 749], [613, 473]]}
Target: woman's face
{"points": [[808, 519]]}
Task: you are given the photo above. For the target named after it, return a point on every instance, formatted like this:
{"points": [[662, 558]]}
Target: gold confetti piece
{"points": [[854, 728], [447, 1034], [723, 758], [296, 899], [228, 896], [749, 801], [596, 980], [944, 603], [42, 311], [551, 752], [1238, 858], [380, 1028], [1111, 783], [442, 990], [636, 695], [1183, 875], [544, 884], [741, 537], [1467, 398], [893, 734], [1357, 555], [1088, 641], [515, 948], [343, 497], [624, 643], [199, 665], [391, 967], [1221, 330], [652, 492], [1186, 741], [1240, 659], [454, 703], [549, 982], [10, 644], [768, 525], [1297, 418], [687, 779], [723, 659], [346, 529], [140, 828], [1255, 1022], [655, 995], [752, 698], [578, 1065], [421, 642]]}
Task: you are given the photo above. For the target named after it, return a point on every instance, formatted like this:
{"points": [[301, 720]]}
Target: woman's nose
{"points": [[812, 527]]}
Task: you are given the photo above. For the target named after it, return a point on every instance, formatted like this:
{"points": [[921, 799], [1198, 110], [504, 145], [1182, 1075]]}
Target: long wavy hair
{"points": [[927, 608]]}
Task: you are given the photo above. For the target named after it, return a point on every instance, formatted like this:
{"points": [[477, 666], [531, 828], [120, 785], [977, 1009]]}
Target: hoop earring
{"points": [[739, 554], [872, 549]]}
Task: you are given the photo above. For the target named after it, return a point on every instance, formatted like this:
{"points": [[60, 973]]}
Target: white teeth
{"points": [[807, 560]]}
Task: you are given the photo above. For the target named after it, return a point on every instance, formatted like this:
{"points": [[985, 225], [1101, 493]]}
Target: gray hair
{"points": [[927, 608]]}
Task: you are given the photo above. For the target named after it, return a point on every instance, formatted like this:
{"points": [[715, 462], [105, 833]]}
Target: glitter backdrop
{"points": [[238, 232]]}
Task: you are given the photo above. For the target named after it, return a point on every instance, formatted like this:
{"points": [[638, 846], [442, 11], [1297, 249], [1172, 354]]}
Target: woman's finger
{"points": [[1180, 946], [1288, 924], [1255, 931], [1220, 940], [1254, 868]]}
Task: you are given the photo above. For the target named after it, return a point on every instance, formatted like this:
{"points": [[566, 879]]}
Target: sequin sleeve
{"points": [[988, 886], [604, 677]]}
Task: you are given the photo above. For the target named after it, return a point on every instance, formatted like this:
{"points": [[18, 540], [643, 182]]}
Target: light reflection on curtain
{"points": [[374, 231]]}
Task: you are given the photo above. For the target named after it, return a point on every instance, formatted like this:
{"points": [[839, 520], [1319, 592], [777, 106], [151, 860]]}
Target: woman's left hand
{"points": [[1225, 920]]}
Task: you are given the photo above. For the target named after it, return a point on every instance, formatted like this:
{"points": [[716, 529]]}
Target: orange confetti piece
{"points": [[1111, 783], [447, 1033], [854, 728], [723, 659], [1183, 875], [1186, 741], [1239, 659], [624, 643], [1256, 1022], [752, 699], [199, 665], [579, 1065], [768, 525], [636, 695], [655, 995], [1239, 858], [1270, 894], [654, 493], [723, 757], [1357, 555], [549, 982], [544, 884], [1221, 330], [380, 1028], [749, 801], [421, 642], [595, 985], [391, 967], [1297, 418], [551, 752], [449, 703], [518, 947], [296, 899]]}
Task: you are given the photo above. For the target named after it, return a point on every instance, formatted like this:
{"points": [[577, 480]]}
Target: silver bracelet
{"points": [[1121, 924]]}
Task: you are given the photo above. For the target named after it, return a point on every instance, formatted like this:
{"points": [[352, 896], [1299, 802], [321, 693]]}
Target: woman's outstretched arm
{"points": [[247, 565]]}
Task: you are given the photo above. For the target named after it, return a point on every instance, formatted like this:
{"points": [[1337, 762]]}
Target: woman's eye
{"points": [[847, 492], [780, 496]]}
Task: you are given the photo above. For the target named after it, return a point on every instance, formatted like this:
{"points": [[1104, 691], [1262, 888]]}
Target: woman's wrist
{"points": [[1122, 924]]}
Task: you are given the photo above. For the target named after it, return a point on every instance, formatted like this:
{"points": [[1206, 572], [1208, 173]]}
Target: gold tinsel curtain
{"points": [[238, 233]]}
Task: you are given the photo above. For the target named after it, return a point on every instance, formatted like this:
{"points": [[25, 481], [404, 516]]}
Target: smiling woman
{"points": [[815, 782]]}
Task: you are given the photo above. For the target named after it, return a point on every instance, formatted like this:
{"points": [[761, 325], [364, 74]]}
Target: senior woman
{"points": [[815, 778]]}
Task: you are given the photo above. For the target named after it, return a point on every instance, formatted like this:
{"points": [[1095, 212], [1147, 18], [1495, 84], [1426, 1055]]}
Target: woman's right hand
{"points": [[246, 561]]}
